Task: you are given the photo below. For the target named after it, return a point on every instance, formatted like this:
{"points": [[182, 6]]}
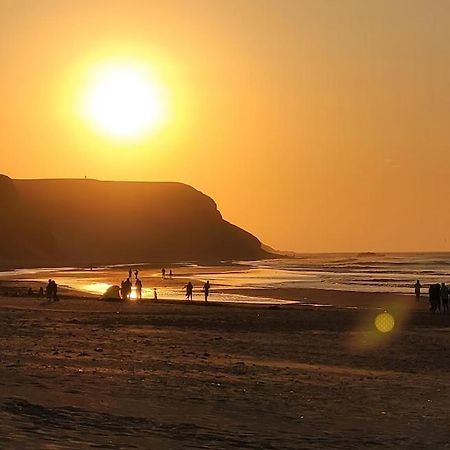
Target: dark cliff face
{"points": [[96, 222], [23, 233]]}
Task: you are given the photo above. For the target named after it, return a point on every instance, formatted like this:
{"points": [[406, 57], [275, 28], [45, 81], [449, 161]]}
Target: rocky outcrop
{"points": [[83, 222]]}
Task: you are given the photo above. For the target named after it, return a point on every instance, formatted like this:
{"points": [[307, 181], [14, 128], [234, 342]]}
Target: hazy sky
{"points": [[316, 125]]}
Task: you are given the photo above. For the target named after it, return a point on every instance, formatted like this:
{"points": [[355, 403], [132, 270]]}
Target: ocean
{"points": [[394, 273]]}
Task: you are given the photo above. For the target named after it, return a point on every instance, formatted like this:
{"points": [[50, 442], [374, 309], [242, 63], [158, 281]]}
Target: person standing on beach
{"points": [[125, 289], [206, 288], [444, 297], [438, 297], [54, 291], [435, 297], [417, 288], [48, 290], [170, 273], [138, 289], [163, 273]]}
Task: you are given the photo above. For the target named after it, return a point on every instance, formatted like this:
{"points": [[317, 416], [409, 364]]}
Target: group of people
{"points": [[190, 290], [51, 291], [438, 295], [126, 286], [164, 272]]}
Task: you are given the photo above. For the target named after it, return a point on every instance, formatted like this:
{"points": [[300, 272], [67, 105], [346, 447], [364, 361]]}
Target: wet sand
{"points": [[82, 373]]}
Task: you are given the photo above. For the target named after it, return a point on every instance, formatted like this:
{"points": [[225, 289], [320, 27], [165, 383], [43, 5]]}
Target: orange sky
{"points": [[316, 125]]}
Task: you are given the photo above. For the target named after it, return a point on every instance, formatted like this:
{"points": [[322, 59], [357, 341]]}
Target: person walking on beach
{"points": [[189, 289], [417, 288], [155, 294], [163, 273], [206, 288], [444, 297], [170, 273], [138, 289]]}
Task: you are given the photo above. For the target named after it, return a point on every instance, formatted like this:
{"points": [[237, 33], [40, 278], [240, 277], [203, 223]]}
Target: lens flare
{"points": [[384, 322]]}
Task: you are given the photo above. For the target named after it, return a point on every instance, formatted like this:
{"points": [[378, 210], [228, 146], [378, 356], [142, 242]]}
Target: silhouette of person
{"points": [[435, 297], [123, 290], [54, 291], [30, 292], [41, 291], [138, 289], [417, 288], [170, 273], [444, 297], [189, 289], [163, 273], [127, 285], [136, 273], [155, 294], [206, 288], [129, 272], [431, 296], [438, 297], [48, 290]]}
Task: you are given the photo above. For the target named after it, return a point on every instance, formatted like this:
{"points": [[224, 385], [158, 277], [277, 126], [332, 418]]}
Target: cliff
{"points": [[83, 222]]}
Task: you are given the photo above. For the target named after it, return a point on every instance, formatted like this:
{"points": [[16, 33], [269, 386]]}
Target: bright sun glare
{"points": [[123, 101]]}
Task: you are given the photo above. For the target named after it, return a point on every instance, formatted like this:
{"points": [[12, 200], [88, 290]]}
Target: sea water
{"points": [[395, 273]]}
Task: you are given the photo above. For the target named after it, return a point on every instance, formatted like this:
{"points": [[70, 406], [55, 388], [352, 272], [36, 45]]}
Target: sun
{"points": [[123, 101]]}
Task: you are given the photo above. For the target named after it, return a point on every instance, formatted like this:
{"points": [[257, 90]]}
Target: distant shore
{"points": [[293, 296]]}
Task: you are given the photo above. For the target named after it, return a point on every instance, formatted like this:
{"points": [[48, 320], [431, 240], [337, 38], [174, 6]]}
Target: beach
{"points": [[83, 373]]}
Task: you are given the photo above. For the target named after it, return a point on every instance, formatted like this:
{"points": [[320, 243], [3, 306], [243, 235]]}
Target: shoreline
{"points": [[300, 297]]}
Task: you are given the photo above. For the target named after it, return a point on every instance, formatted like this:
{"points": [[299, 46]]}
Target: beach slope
{"points": [[87, 374]]}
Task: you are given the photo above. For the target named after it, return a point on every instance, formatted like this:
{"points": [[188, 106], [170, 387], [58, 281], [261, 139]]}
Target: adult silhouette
{"points": [[435, 297], [54, 291], [125, 289], [206, 288], [189, 290], [138, 289], [417, 288], [444, 297], [48, 290]]}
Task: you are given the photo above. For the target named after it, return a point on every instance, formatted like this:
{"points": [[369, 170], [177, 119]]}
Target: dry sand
{"points": [[170, 375]]}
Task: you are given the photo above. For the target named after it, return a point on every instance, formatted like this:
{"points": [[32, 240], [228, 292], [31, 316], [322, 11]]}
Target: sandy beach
{"points": [[82, 373], [224, 225]]}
